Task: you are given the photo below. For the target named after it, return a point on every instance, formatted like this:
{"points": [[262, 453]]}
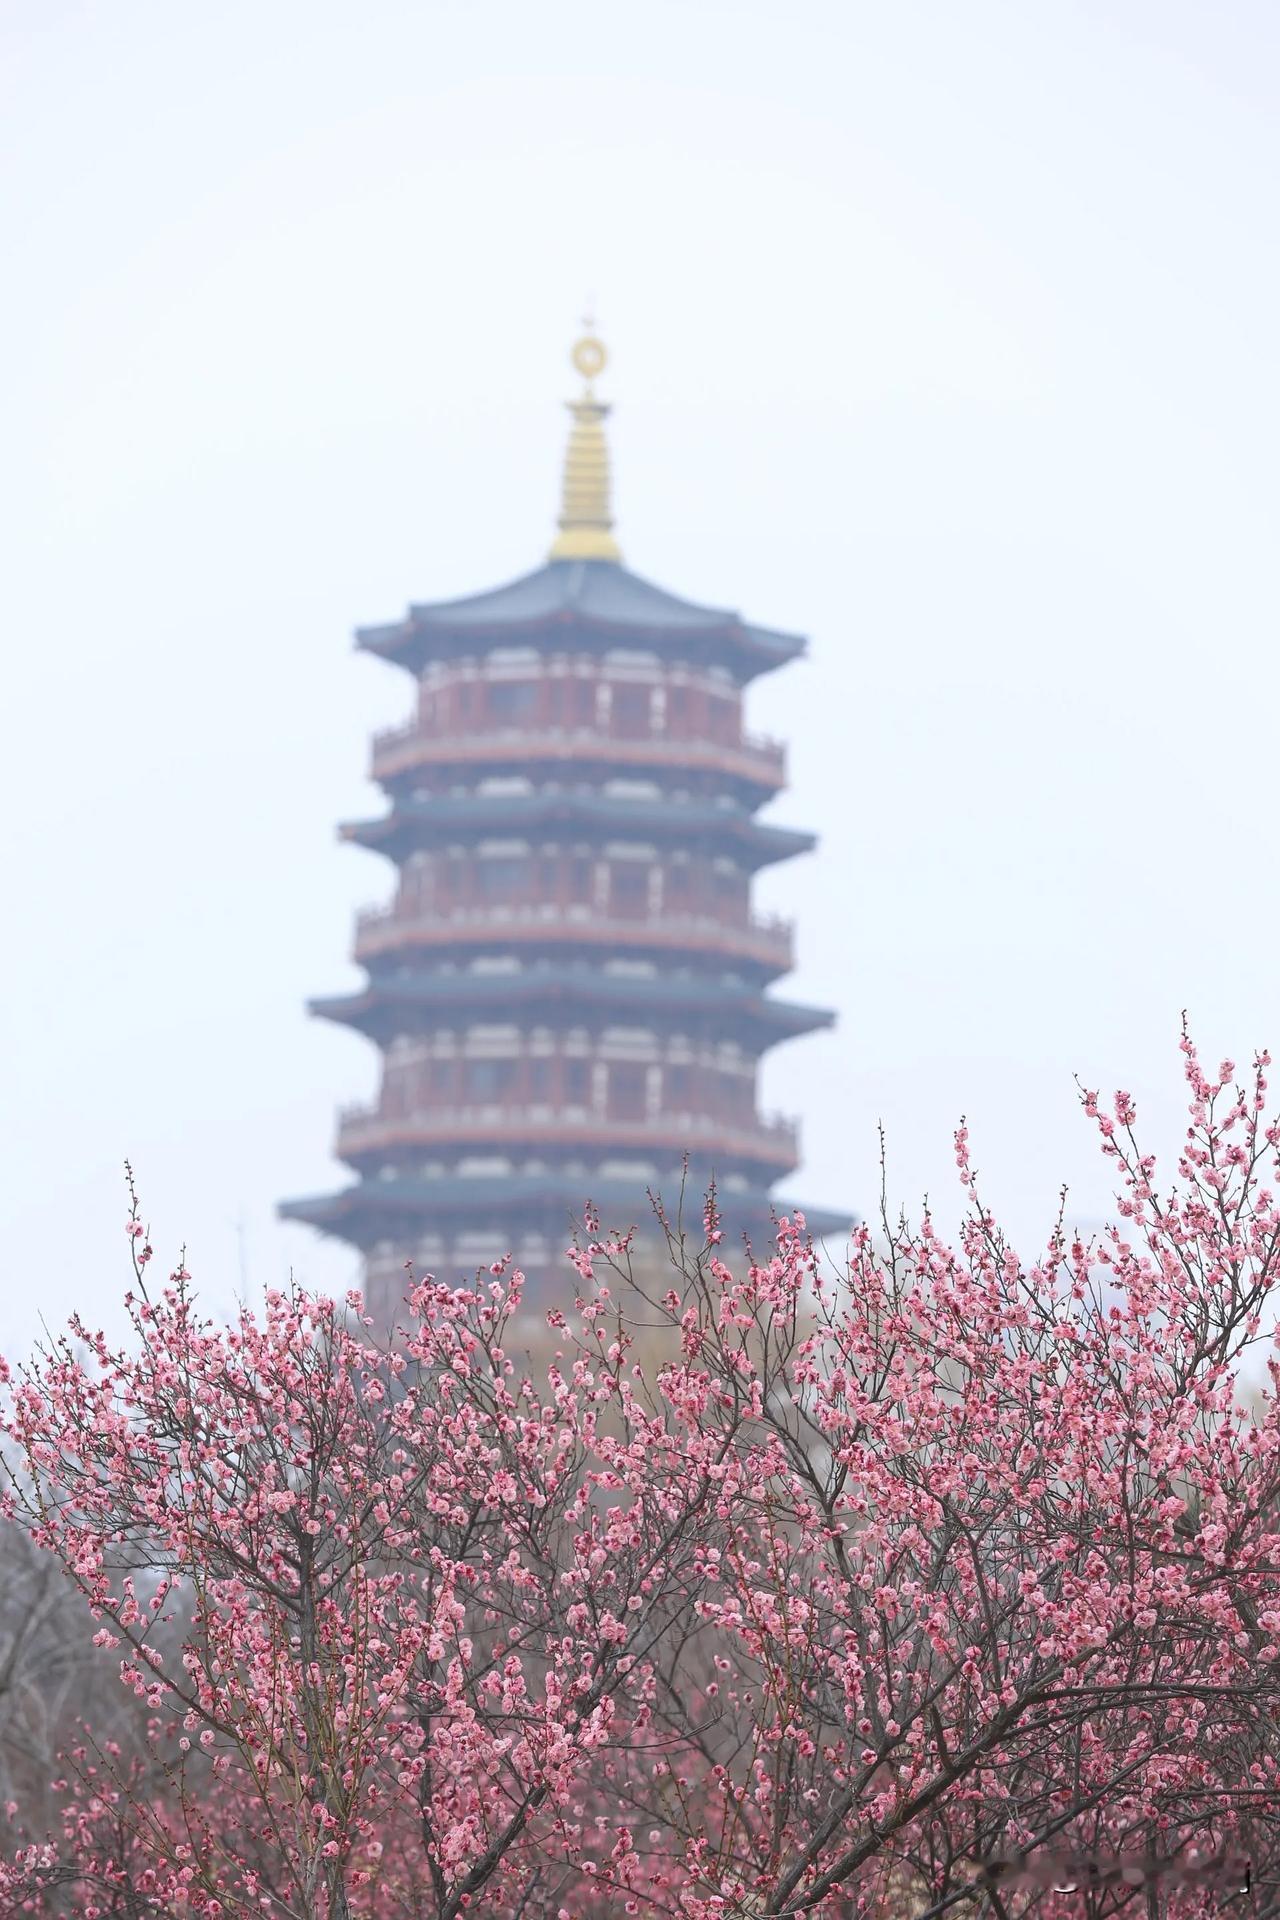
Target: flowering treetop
{"points": [[866, 1582]]}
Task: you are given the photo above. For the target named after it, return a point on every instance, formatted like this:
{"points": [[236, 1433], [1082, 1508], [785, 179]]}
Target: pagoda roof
{"points": [[373, 1010], [598, 595], [520, 812], [360, 1213]]}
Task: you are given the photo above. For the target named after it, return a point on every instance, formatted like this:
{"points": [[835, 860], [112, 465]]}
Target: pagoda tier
{"points": [[568, 986]]}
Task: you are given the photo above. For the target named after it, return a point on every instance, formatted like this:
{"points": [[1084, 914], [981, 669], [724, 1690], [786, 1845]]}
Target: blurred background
{"points": [[943, 334]]}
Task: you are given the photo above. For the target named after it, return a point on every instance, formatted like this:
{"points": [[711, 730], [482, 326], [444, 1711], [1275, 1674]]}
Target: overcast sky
{"points": [[943, 333]]}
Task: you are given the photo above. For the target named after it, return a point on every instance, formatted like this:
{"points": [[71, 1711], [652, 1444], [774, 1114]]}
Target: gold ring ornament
{"points": [[589, 356]]}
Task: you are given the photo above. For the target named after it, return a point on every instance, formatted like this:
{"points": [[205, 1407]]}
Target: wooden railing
{"points": [[382, 930], [363, 1129], [753, 758]]}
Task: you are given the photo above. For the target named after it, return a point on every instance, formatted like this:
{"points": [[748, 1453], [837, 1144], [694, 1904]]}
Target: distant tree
{"points": [[49, 1675], [877, 1597]]}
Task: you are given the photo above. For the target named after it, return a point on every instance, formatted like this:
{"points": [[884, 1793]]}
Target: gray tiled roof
{"points": [[366, 1208], [525, 812], [598, 593], [586, 986]]}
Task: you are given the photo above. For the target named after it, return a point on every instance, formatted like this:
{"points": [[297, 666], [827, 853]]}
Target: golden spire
{"points": [[586, 524]]}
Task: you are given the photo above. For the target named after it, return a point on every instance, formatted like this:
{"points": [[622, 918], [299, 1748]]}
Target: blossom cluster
{"points": [[865, 1579]]}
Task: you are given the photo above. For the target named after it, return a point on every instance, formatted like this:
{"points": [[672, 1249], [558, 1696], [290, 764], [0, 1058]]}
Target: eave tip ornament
{"points": [[586, 521]]}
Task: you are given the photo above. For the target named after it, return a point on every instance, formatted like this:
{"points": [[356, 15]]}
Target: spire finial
{"points": [[586, 523]]}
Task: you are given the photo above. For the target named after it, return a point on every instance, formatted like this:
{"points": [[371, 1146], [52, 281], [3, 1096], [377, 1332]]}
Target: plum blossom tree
{"points": [[1009, 1570], [412, 1613], [876, 1580]]}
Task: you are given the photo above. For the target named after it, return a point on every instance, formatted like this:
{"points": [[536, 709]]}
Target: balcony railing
{"points": [[361, 1129], [383, 929], [754, 757]]}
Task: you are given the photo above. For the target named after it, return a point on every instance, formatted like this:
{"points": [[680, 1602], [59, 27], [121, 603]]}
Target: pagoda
{"points": [[568, 988]]}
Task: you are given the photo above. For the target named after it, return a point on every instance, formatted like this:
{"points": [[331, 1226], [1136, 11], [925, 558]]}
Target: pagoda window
{"points": [[580, 878], [455, 877], [677, 1089], [626, 1091], [503, 879], [489, 1079], [576, 1082], [512, 699], [582, 708], [632, 711], [540, 1079], [629, 895], [724, 725]]}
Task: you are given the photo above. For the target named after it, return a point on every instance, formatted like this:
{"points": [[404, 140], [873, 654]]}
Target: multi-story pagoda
{"points": [[568, 989]]}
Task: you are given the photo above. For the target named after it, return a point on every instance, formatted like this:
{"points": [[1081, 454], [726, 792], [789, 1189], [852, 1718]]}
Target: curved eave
{"points": [[595, 597], [412, 822], [752, 649], [379, 1010], [370, 1209]]}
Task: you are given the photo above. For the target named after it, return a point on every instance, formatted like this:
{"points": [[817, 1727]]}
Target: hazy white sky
{"points": [[944, 333]]}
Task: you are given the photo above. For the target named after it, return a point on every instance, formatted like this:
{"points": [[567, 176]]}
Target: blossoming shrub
{"points": [[878, 1576]]}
